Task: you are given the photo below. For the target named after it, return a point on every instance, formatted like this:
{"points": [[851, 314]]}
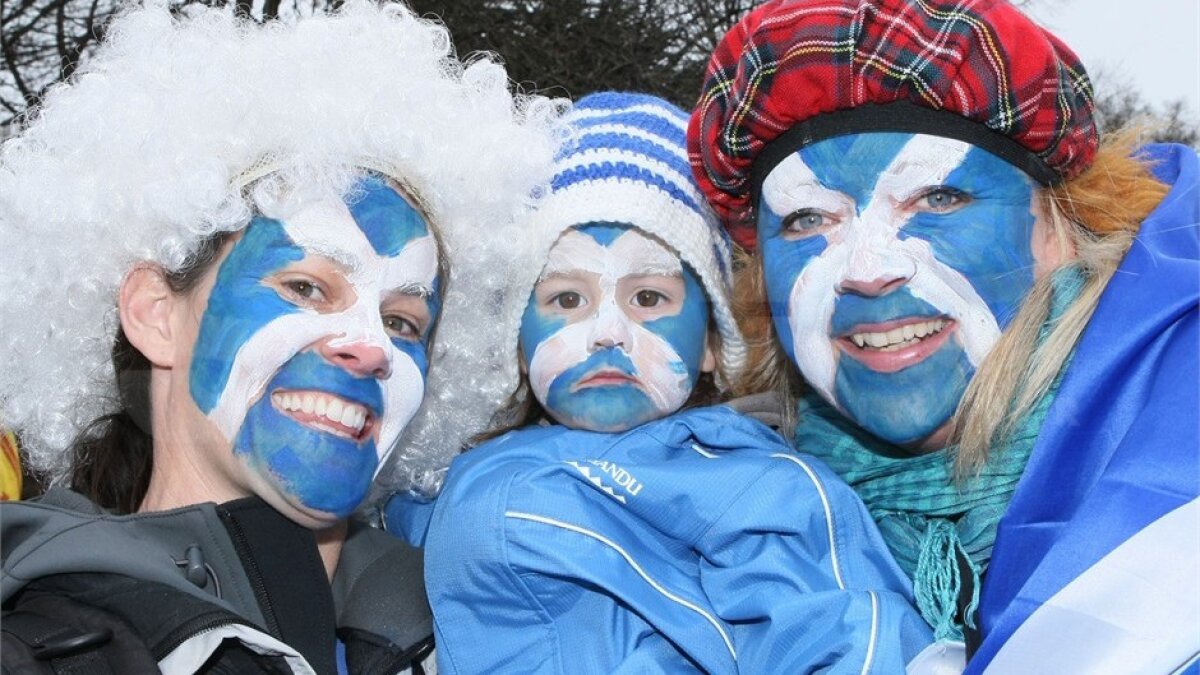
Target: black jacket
{"points": [[229, 588]]}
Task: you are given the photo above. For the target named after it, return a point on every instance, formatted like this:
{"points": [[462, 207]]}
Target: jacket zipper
{"points": [[193, 627], [253, 573]]}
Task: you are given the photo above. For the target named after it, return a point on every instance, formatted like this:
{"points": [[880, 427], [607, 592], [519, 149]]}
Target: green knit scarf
{"points": [[923, 514]]}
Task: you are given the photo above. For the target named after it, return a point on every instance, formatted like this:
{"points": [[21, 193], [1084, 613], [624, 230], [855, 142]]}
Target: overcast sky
{"points": [[1153, 42]]}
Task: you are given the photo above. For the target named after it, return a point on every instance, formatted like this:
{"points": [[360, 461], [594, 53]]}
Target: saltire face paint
{"points": [[892, 264], [615, 330], [311, 355]]}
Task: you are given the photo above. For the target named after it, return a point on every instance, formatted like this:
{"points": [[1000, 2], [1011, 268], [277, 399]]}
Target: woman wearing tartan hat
{"points": [[984, 316], [225, 248]]}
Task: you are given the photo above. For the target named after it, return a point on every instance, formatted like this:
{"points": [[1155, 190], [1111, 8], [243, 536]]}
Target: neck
{"points": [[180, 477], [188, 468], [329, 546]]}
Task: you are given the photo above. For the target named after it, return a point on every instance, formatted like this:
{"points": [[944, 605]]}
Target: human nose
{"points": [[361, 358], [871, 287], [610, 328], [875, 265]]}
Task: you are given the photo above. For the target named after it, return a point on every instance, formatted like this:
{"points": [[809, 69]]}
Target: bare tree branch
{"points": [[557, 47]]}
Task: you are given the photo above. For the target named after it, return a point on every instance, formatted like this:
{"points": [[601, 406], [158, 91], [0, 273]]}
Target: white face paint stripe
{"points": [[327, 228], [312, 230], [402, 395], [322, 227], [415, 267], [650, 353], [792, 185], [868, 247], [631, 253]]}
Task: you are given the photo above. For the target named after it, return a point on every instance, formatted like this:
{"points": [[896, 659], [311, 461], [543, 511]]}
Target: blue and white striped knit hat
{"points": [[626, 162]]}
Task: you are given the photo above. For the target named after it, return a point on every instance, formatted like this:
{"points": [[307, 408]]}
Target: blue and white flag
{"points": [[1097, 561]]}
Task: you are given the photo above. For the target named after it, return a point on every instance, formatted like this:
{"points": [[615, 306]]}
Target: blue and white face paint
{"points": [[892, 264], [615, 330], [311, 355]]}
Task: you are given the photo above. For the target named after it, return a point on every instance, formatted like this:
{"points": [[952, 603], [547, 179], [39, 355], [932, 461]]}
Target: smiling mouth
{"points": [[326, 412], [899, 337], [896, 345], [606, 377]]}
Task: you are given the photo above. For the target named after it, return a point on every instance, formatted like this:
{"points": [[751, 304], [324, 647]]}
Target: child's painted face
{"points": [[892, 264], [311, 353], [615, 330]]}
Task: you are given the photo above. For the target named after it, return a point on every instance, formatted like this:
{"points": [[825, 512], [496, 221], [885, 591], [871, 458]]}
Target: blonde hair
{"points": [[1099, 214], [1095, 214]]}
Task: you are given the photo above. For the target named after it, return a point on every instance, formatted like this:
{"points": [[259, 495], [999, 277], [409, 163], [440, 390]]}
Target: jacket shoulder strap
{"points": [[57, 634]]}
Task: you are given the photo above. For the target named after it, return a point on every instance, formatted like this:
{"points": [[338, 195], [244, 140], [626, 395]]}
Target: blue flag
{"points": [[1097, 560]]}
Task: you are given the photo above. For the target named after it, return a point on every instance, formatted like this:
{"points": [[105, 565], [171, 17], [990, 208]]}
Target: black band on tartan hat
{"points": [[900, 117]]}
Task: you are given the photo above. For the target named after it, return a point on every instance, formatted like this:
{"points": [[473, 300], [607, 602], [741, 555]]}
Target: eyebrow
{"points": [[648, 270], [412, 288], [558, 274], [655, 270], [348, 262]]}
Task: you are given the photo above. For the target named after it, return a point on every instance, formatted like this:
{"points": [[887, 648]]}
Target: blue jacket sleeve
{"points": [[799, 569]]}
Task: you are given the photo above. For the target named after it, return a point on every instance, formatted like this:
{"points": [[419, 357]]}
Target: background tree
{"points": [[572, 47], [1119, 103], [43, 42], [556, 47]]}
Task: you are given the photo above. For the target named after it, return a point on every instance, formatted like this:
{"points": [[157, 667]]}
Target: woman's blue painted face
{"points": [[615, 330], [892, 264], [311, 353]]}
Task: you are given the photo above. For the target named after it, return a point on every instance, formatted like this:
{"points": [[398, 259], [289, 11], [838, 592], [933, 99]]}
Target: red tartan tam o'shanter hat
{"points": [[794, 72]]}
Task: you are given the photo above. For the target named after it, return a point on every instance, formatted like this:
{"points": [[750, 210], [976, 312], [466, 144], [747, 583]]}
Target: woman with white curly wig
{"points": [[228, 247]]}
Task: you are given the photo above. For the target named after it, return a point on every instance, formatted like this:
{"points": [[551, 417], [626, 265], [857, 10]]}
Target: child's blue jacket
{"points": [[696, 542]]}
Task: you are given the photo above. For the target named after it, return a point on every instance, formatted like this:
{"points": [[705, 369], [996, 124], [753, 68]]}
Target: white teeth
{"points": [[334, 411], [898, 337], [344, 413]]}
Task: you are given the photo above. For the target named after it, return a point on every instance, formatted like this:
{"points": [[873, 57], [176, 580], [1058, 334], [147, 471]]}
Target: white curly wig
{"points": [[147, 151]]}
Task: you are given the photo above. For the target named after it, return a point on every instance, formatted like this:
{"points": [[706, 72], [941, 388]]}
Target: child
{"points": [[611, 532]]}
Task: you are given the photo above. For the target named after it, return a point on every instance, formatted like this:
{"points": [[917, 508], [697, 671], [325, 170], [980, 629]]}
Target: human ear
{"points": [[1050, 242], [146, 302], [709, 364], [522, 363]]}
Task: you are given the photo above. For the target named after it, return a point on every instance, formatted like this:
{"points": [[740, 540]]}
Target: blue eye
{"points": [[805, 222], [942, 199]]}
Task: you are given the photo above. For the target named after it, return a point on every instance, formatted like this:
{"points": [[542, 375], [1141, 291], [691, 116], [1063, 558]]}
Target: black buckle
{"points": [[67, 646]]}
